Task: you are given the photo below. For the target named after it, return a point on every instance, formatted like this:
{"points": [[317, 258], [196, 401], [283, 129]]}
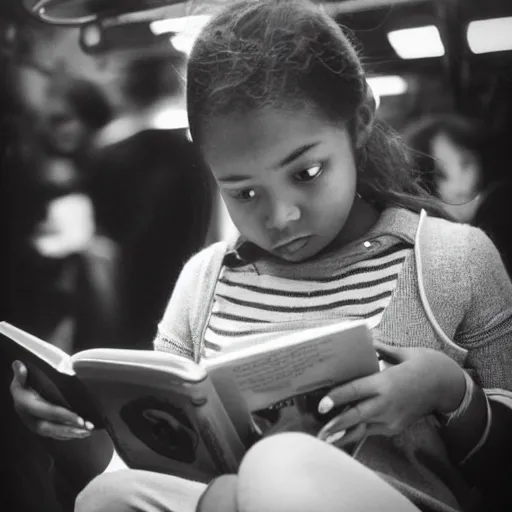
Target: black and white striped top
{"points": [[247, 304]]}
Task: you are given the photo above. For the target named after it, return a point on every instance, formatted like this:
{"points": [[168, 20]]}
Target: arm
{"points": [[175, 332], [477, 434]]}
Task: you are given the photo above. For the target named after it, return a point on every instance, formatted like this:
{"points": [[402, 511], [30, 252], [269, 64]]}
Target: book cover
{"points": [[165, 413]]}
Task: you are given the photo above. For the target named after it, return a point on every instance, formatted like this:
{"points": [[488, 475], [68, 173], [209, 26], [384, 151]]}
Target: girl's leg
{"points": [[289, 472], [132, 490], [296, 472]]}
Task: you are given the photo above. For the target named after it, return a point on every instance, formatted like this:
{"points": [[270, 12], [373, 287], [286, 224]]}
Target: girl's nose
{"points": [[282, 215]]}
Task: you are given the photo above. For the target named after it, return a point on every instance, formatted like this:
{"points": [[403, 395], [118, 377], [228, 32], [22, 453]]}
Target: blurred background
{"points": [[104, 197]]}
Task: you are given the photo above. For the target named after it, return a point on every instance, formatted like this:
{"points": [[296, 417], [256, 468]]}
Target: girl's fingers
{"points": [[33, 408], [20, 374], [34, 405], [57, 414], [353, 436], [359, 414], [389, 354], [349, 393], [356, 434], [61, 432], [379, 429]]}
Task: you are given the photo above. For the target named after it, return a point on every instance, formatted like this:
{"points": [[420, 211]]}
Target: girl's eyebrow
{"points": [[295, 154], [236, 178]]}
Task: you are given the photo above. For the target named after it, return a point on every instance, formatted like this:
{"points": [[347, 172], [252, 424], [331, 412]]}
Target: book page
{"points": [[173, 364], [279, 372], [28, 343], [281, 368]]}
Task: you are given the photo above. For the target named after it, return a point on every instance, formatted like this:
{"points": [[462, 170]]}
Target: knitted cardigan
{"points": [[454, 295]]}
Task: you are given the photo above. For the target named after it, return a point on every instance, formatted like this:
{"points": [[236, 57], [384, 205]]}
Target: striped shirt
{"points": [[247, 304]]}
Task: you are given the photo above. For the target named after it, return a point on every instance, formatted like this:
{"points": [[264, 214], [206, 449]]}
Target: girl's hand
{"points": [[420, 382], [42, 417]]}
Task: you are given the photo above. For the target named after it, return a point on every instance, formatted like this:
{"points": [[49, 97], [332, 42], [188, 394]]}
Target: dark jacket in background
{"points": [[153, 198]]}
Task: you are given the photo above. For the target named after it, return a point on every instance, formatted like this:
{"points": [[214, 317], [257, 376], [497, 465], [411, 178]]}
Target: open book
{"points": [[167, 413]]}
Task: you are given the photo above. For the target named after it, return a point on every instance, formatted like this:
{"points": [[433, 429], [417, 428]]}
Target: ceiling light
{"points": [[183, 42], [391, 85], [417, 43], [183, 24], [170, 118], [492, 35]]}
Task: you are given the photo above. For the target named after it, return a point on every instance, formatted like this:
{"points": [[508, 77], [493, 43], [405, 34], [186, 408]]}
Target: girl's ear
{"points": [[365, 116]]}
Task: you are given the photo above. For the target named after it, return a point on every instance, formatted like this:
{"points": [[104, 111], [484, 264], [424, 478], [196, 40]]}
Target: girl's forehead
{"points": [[260, 130], [265, 140]]}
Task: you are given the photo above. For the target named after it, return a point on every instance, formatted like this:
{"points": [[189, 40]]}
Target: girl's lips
{"points": [[293, 246]]}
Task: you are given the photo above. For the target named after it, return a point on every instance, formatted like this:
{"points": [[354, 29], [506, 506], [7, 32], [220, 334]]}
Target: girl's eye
{"points": [[309, 174], [246, 194]]}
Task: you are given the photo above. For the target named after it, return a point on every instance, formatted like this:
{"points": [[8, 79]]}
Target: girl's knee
{"points": [[110, 492], [291, 451], [298, 472], [280, 473], [137, 490]]}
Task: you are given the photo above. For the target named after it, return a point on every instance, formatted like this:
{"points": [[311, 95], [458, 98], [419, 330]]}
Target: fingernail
{"points": [[325, 405], [333, 438], [89, 425], [80, 422], [79, 432]]}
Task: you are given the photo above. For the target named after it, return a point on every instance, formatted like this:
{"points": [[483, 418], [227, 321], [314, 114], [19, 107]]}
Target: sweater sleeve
{"points": [[174, 330], [479, 436]]}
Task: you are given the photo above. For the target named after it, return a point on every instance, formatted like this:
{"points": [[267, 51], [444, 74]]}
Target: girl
{"points": [[329, 216]]}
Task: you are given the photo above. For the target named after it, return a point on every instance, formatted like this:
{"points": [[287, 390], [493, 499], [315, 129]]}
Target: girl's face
{"points": [[288, 178], [460, 173]]}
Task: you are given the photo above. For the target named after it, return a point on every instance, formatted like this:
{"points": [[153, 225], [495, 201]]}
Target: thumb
{"points": [[390, 354], [20, 373]]}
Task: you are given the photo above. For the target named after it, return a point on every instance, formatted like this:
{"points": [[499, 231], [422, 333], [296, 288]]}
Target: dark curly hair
{"points": [[290, 53]]}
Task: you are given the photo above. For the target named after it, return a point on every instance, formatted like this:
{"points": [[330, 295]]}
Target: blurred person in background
{"points": [[150, 191], [454, 155], [52, 282], [55, 252]]}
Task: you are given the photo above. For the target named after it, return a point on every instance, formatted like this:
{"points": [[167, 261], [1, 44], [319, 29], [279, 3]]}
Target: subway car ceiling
{"points": [[449, 26], [457, 50]]}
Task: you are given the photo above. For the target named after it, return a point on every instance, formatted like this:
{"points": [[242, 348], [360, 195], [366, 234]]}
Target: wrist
{"points": [[452, 388]]}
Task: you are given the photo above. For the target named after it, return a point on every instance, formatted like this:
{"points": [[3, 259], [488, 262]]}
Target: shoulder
{"points": [[462, 274], [457, 255], [464, 255], [204, 264], [454, 238], [187, 308]]}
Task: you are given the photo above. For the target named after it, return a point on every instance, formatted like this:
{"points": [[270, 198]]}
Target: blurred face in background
{"points": [[63, 130], [460, 172]]}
